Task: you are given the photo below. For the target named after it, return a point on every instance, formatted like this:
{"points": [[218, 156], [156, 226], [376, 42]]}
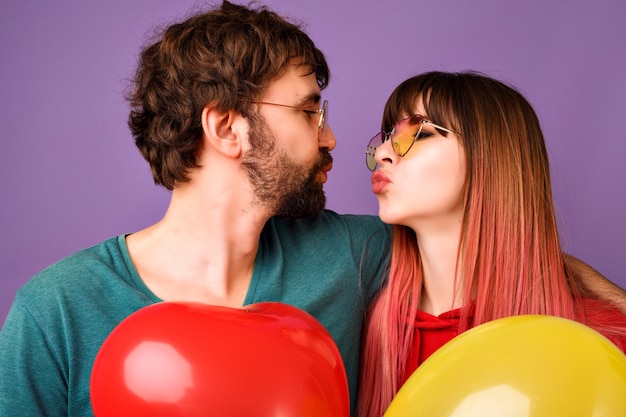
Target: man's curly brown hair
{"points": [[223, 57]]}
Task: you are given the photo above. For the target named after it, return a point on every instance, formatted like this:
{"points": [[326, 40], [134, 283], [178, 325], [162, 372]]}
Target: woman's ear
{"points": [[222, 131]]}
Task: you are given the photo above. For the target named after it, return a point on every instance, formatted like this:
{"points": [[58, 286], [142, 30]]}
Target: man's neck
{"points": [[202, 250]]}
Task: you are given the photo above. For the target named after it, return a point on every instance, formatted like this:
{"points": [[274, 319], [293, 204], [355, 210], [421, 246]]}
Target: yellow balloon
{"points": [[521, 366]]}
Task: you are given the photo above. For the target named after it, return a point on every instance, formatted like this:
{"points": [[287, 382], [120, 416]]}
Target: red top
{"points": [[432, 332]]}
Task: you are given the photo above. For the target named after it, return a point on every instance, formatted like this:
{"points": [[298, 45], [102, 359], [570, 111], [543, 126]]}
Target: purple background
{"points": [[72, 176]]}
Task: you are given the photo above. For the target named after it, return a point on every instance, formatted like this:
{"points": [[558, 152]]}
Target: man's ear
{"points": [[224, 130]]}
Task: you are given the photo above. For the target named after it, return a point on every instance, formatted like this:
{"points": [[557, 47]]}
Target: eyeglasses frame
{"points": [[370, 151], [322, 111]]}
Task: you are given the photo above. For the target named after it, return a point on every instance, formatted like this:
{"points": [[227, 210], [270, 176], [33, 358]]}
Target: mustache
{"points": [[324, 160]]}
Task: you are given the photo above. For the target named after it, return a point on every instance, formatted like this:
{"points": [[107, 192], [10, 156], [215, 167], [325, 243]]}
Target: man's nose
{"points": [[328, 140]]}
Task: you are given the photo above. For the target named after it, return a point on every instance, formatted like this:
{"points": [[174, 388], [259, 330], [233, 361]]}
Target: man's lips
{"points": [[379, 182], [324, 172], [325, 164]]}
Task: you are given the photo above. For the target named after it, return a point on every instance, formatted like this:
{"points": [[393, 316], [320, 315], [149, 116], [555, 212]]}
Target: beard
{"points": [[286, 187]]}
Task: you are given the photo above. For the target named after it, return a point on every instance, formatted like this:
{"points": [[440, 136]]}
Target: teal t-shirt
{"points": [[329, 266]]}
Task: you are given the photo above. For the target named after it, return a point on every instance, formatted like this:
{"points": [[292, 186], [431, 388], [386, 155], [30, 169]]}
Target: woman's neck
{"points": [[441, 290]]}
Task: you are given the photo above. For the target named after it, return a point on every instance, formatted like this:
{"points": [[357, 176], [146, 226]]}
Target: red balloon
{"points": [[191, 359]]}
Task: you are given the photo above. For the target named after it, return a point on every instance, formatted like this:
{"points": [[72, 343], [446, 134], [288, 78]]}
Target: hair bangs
{"points": [[436, 91]]}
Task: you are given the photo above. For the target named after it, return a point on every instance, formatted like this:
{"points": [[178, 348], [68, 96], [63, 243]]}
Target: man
{"points": [[227, 110]]}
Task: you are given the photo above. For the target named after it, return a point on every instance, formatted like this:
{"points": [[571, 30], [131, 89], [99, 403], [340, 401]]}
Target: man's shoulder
{"points": [[329, 221], [72, 272], [343, 233]]}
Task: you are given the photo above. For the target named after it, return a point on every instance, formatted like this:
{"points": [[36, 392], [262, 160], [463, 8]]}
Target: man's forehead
{"points": [[297, 81]]}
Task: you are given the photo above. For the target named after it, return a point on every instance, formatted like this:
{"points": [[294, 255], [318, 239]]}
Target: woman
{"points": [[462, 173]]}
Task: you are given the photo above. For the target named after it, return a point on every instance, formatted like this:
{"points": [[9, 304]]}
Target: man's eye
{"points": [[310, 113]]}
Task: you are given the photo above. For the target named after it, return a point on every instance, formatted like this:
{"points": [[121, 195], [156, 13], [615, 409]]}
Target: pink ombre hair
{"points": [[510, 256]]}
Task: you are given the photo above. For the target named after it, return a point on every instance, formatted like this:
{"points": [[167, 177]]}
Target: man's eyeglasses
{"points": [[322, 113], [402, 137]]}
